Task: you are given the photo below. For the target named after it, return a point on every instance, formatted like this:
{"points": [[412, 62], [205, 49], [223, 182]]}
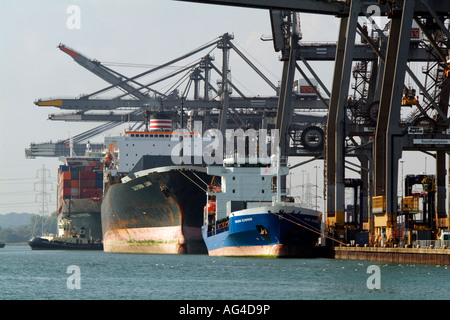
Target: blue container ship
{"points": [[242, 217]]}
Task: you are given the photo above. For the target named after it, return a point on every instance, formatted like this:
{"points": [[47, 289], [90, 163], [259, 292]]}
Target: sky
{"points": [[149, 32]]}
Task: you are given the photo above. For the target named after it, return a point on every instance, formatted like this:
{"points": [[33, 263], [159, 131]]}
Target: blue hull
{"points": [[265, 234]]}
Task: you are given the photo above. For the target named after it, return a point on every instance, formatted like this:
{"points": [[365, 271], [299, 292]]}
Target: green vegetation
{"points": [[147, 242], [24, 232]]}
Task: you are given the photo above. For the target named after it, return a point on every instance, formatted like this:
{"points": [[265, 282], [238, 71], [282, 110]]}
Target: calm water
{"points": [[27, 274]]}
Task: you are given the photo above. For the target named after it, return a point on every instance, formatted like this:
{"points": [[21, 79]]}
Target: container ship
{"points": [[243, 217], [151, 205], [80, 188]]}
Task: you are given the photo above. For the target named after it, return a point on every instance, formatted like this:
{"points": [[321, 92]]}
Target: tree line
{"points": [[35, 227]]}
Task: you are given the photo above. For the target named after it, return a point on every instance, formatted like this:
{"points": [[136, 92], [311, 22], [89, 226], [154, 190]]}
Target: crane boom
{"points": [[101, 71]]}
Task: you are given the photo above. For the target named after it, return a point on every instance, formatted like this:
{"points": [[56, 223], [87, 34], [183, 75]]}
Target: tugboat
{"points": [[68, 239]]}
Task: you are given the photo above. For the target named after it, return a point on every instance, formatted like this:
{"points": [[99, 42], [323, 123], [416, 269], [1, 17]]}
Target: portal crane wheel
{"points": [[373, 112], [312, 138]]}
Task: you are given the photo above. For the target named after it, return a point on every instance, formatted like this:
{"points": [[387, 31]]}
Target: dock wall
{"points": [[393, 255]]}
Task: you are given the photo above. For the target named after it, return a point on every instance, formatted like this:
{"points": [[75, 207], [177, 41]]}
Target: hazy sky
{"points": [[148, 32]]}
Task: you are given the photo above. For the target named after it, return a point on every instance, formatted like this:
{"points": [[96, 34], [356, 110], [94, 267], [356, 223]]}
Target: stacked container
{"points": [[80, 178]]}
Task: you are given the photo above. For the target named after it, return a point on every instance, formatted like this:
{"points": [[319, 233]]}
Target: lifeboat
{"points": [[210, 207]]}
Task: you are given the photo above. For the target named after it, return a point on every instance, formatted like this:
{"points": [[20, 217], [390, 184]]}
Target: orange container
{"points": [[65, 192], [66, 175]]}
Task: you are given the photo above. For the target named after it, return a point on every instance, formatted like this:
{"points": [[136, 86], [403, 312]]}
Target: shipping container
{"points": [[75, 192], [65, 184], [75, 174], [66, 192], [66, 175]]}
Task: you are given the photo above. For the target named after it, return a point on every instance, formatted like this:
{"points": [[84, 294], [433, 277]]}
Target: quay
{"points": [[392, 255]]}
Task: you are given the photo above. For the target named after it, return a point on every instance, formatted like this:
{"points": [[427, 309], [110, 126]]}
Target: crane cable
{"points": [[310, 229], [192, 180], [193, 172]]}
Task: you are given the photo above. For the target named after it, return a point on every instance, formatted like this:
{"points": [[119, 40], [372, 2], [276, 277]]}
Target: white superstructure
{"points": [[128, 149], [244, 184]]}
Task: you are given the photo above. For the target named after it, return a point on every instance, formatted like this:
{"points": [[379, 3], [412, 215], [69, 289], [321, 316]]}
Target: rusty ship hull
{"points": [[157, 211]]}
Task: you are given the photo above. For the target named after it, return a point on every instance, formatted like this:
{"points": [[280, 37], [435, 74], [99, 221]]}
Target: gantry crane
{"points": [[138, 96], [389, 136]]}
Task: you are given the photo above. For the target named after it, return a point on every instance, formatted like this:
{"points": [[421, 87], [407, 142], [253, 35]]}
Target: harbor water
{"points": [[89, 275]]}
